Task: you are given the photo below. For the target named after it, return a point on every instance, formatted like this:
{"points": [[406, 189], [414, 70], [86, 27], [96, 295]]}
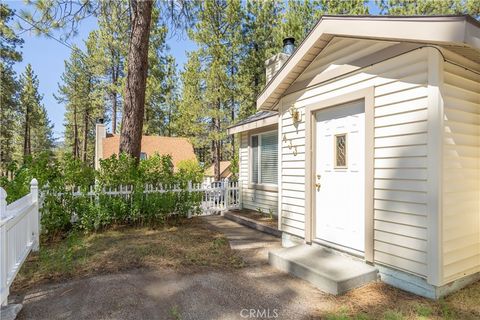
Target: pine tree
{"points": [[8, 115], [36, 130], [190, 121], [261, 25], [9, 86], [67, 14], [82, 97], [108, 56], [430, 7], [161, 101], [216, 35]]}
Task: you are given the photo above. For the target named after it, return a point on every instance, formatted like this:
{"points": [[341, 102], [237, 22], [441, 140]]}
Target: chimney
{"points": [[100, 134], [273, 65]]}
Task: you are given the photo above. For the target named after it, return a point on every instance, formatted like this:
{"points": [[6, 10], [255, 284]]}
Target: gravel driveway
{"points": [[254, 292]]}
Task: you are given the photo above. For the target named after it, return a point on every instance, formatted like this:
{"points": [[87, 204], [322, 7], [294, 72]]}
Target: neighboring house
{"points": [[368, 140], [107, 145], [225, 172]]}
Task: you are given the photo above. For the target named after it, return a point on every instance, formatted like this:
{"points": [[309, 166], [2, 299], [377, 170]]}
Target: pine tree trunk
{"points": [[113, 95], [114, 112], [75, 133], [85, 136], [26, 137], [134, 107], [217, 147]]}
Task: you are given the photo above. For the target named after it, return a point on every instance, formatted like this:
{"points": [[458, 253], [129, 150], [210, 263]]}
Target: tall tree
{"points": [[191, 120], [136, 82], [429, 7], [260, 28], [162, 98], [67, 14], [216, 35], [162, 87], [109, 56], [9, 86], [81, 95], [36, 128]]}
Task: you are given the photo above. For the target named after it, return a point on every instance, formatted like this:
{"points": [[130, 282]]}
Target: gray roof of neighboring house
{"points": [[255, 117]]}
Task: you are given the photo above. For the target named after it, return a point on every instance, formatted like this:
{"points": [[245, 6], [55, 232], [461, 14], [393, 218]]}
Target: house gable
{"points": [[458, 33]]}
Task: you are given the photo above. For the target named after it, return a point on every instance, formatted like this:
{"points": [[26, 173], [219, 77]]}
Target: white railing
{"points": [[19, 234], [217, 197]]}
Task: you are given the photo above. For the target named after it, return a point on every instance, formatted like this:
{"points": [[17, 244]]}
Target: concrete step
{"points": [[330, 272]]}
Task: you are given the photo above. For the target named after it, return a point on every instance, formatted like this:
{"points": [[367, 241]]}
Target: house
{"points": [[367, 142], [225, 172], [107, 145]]}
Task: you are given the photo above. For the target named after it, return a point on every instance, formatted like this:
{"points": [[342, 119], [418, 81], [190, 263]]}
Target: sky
{"points": [[47, 58]]}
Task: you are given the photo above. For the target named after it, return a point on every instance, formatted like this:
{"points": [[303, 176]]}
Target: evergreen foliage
{"points": [[36, 130]]}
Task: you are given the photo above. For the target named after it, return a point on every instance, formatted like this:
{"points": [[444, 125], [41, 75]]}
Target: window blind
{"points": [[269, 158], [254, 159]]}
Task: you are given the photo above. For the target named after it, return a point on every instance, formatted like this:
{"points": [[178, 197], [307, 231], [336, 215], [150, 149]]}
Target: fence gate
{"points": [[218, 197]]}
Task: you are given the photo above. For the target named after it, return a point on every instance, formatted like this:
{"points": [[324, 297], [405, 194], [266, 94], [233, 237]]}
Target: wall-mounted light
{"points": [[295, 114]]}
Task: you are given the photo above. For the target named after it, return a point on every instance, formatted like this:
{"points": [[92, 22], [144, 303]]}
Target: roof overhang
{"points": [[254, 124], [463, 31]]}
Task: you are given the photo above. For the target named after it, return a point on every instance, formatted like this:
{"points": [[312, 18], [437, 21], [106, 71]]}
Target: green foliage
{"points": [[190, 170], [35, 127], [93, 209], [430, 7], [9, 40], [81, 94], [71, 203]]}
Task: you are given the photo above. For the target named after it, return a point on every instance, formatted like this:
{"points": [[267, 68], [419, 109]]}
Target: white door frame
{"points": [[310, 142]]}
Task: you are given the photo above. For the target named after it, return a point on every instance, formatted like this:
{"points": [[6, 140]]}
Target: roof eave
{"points": [[261, 123], [452, 30]]}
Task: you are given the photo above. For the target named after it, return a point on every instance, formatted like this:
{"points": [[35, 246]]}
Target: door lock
{"points": [[318, 185]]}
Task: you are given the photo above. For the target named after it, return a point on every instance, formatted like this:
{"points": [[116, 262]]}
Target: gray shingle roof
{"points": [[255, 117]]}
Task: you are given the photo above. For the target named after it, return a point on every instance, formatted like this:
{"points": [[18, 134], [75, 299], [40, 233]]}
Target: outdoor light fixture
{"points": [[295, 114]]}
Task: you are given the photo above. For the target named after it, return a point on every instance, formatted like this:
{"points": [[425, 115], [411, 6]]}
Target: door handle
{"points": [[317, 186]]}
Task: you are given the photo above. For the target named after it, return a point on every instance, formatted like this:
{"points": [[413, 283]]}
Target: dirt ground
{"points": [[254, 291]]}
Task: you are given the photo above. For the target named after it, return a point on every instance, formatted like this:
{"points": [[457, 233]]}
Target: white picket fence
{"points": [[217, 197], [19, 234]]}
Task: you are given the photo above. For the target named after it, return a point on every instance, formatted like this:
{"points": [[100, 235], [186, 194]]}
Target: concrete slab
{"points": [[252, 224], [10, 311], [328, 271]]}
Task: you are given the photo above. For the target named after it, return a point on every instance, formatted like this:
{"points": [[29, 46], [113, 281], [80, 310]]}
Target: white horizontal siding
{"points": [[461, 173], [251, 198], [400, 174]]}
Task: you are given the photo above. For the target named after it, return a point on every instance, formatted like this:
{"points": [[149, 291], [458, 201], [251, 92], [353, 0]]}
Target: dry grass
{"points": [[380, 301], [189, 245]]}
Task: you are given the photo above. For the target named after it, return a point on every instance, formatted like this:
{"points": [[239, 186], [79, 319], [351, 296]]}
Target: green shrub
{"points": [[190, 170], [63, 211]]}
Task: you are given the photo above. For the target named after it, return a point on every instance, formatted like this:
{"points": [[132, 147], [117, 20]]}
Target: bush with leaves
{"points": [[121, 193]]}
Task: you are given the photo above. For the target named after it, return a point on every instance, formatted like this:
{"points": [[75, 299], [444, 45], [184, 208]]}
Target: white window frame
{"points": [[259, 184]]}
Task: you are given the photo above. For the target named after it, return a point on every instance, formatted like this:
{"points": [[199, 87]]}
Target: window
{"points": [[143, 156], [341, 150], [264, 158]]}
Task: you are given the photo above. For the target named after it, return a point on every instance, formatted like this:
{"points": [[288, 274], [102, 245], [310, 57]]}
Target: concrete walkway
{"points": [[256, 291]]}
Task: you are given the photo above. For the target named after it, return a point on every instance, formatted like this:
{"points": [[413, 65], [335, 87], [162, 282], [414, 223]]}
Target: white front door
{"points": [[340, 175]]}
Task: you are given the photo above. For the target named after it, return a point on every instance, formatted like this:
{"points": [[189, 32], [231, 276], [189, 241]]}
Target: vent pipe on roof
{"points": [[275, 63], [288, 45]]}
